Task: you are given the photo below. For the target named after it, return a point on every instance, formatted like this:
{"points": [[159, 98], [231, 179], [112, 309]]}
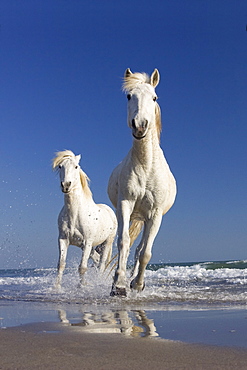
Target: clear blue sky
{"points": [[61, 69]]}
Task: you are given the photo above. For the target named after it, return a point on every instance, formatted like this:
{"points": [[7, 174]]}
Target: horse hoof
{"points": [[134, 286], [119, 292]]}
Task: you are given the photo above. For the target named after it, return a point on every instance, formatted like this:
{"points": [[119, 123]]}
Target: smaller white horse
{"points": [[81, 222]]}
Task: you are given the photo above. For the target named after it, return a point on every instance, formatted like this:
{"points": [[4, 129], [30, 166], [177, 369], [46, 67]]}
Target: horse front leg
{"points": [[105, 255], [86, 250], [123, 243], [135, 269], [106, 250], [95, 256], [63, 245], [150, 231]]}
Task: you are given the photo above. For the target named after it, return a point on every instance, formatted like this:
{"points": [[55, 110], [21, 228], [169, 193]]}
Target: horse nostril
{"points": [[145, 124], [133, 123]]}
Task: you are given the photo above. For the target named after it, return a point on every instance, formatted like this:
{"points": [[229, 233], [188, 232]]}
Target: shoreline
{"points": [[205, 324], [59, 346]]}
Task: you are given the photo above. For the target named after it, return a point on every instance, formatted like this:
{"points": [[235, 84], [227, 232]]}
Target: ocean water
{"points": [[206, 282], [195, 302]]}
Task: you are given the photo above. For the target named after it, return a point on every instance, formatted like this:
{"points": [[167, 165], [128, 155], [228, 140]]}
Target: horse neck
{"points": [[76, 198], [145, 150]]}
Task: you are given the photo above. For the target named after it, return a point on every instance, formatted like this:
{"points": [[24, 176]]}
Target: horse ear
{"points": [[77, 158], [155, 78], [127, 73]]}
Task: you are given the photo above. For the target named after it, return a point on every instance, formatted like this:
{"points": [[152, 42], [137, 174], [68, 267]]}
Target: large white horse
{"points": [[141, 187], [81, 222]]}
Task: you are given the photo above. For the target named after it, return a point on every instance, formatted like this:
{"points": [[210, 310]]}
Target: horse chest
{"points": [[149, 193], [147, 200], [79, 225], [146, 184]]}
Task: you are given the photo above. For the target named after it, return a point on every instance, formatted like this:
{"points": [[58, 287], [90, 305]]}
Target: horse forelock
{"points": [[134, 79], [60, 157]]}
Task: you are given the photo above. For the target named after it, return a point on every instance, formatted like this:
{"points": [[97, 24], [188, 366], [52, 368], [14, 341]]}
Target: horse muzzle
{"points": [[66, 186], [139, 131]]}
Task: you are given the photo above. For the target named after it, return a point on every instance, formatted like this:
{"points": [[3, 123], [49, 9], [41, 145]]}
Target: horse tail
{"points": [[134, 230]]}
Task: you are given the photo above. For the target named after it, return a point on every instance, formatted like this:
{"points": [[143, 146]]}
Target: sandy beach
{"points": [[56, 346]]}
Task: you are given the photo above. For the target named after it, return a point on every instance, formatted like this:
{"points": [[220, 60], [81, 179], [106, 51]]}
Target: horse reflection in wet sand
{"points": [[114, 321], [81, 222], [142, 187]]}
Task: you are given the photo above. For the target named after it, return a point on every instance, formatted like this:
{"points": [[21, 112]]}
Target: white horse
{"points": [[141, 187], [81, 222]]}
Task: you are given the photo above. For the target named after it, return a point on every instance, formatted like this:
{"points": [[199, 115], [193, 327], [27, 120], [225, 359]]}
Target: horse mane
{"points": [[158, 122], [130, 83], [60, 157], [85, 183]]}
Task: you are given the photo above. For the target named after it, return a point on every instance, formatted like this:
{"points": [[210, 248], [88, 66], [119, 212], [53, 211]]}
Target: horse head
{"points": [[69, 170], [142, 105], [69, 173]]}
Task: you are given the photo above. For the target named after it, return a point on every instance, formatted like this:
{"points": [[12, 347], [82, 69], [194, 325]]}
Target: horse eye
{"points": [[128, 96], [76, 167], [154, 98]]}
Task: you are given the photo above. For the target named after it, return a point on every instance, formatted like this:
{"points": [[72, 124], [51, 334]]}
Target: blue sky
{"points": [[62, 64]]}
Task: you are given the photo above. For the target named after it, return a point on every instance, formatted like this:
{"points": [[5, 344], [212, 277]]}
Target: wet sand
{"points": [[59, 346]]}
